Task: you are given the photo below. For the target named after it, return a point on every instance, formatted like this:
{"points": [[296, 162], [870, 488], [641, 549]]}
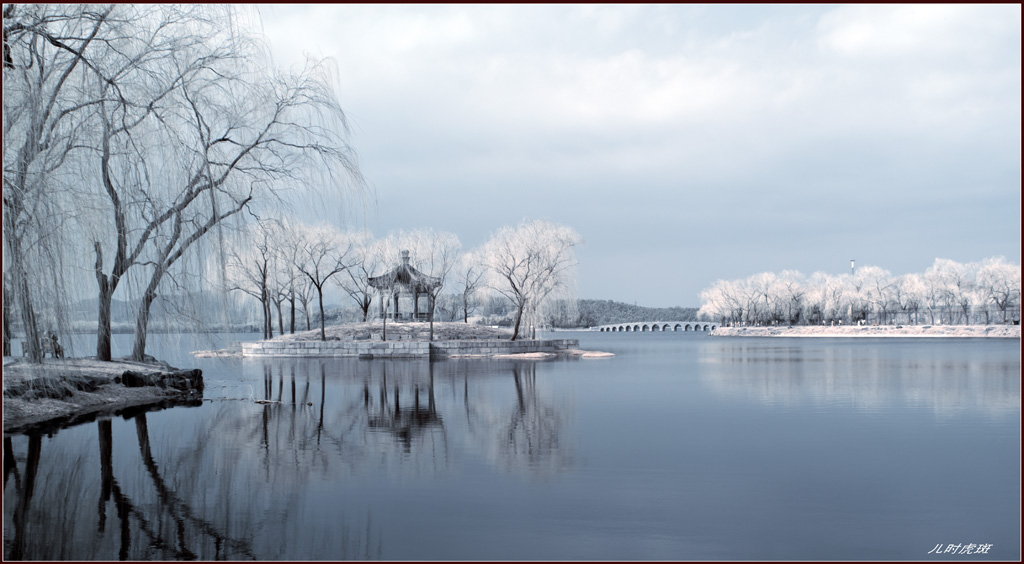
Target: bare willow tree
{"points": [[208, 128], [531, 263], [47, 52], [172, 120]]}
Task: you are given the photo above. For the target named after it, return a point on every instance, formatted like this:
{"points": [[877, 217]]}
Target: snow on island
{"points": [[62, 392], [1004, 331], [407, 339]]}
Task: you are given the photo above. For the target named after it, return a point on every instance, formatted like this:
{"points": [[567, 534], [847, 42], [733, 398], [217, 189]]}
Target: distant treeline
{"points": [[591, 313], [586, 313]]}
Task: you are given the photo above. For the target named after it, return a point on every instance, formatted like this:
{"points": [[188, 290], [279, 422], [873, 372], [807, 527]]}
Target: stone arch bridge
{"points": [[658, 326]]}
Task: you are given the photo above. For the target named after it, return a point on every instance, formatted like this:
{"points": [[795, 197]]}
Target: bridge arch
{"points": [[663, 326]]}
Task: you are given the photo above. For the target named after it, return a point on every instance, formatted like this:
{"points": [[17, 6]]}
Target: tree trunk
{"points": [[7, 320], [268, 322], [280, 319], [519, 318], [323, 321], [291, 327], [32, 348], [103, 328], [142, 321], [431, 298]]}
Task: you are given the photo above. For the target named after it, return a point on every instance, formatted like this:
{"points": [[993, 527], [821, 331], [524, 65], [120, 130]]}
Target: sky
{"points": [[685, 143]]}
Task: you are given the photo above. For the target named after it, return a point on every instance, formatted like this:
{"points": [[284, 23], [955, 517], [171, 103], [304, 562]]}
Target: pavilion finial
{"points": [[405, 257]]}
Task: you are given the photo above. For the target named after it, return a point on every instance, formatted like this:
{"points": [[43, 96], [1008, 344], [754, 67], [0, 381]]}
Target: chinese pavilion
{"points": [[405, 280]]}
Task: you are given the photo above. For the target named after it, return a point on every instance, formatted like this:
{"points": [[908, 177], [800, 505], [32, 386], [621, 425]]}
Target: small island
{"points": [[411, 339]]}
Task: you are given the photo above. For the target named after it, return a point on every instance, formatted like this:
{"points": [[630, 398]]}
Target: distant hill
{"points": [[603, 312], [177, 311]]}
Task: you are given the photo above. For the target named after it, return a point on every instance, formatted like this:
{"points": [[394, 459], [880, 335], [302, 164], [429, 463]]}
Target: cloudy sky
{"points": [[685, 143]]}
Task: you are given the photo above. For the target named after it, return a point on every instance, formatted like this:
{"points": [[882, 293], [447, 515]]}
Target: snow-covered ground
{"points": [[412, 330], [1005, 331], [77, 387]]}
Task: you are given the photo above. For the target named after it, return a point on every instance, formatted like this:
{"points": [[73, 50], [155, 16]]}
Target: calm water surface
{"points": [[681, 447]]}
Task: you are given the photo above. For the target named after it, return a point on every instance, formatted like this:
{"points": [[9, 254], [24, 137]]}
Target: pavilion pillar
{"points": [[396, 305], [415, 305]]}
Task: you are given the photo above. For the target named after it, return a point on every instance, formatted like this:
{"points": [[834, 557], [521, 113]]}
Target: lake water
{"points": [[681, 447]]}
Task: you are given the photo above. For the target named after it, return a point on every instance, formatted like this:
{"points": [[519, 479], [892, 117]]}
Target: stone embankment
{"points": [[962, 331], [369, 349], [61, 392]]}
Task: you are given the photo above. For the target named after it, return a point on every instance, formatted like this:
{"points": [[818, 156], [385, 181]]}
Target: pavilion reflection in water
{"points": [[204, 484]]}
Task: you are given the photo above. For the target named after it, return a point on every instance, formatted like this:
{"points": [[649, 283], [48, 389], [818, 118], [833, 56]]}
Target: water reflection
{"points": [[276, 474], [865, 377], [531, 436]]}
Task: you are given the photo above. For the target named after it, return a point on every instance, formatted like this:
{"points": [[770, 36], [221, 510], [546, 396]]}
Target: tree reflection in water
{"points": [[278, 479]]}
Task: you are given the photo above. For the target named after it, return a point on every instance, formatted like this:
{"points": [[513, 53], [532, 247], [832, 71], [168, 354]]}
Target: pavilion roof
{"points": [[405, 278]]}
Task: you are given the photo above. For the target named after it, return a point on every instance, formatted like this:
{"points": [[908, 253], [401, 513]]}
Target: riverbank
{"points": [[61, 392], [957, 331]]}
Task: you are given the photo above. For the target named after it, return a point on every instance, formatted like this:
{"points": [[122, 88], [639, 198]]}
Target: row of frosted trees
{"points": [[948, 292], [287, 264]]}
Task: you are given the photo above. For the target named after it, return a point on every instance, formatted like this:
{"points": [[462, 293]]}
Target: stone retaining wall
{"points": [[403, 349]]}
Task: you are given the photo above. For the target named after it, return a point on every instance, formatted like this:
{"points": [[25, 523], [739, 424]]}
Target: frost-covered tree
{"points": [[435, 253], [909, 293], [791, 287], [1000, 283], [250, 267], [875, 285], [356, 280], [949, 288], [469, 279], [323, 253], [530, 264]]}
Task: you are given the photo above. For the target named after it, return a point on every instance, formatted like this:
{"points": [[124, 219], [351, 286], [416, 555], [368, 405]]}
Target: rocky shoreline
{"points": [[943, 331], [63, 392]]}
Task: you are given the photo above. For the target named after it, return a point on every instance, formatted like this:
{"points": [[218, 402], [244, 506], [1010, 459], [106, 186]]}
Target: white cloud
{"points": [[929, 31], [791, 111]]}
